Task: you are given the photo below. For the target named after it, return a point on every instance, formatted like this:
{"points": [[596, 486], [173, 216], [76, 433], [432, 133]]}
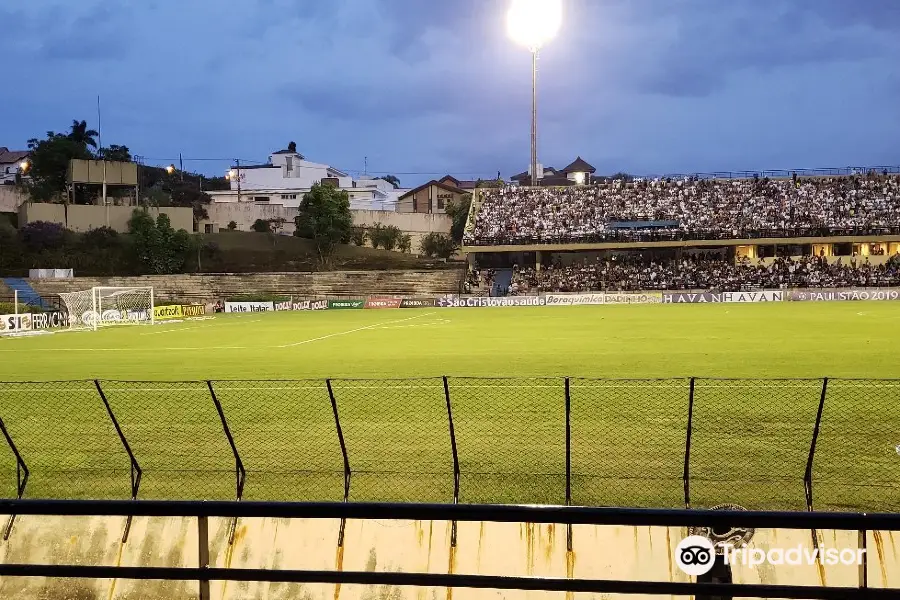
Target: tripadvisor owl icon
{"points": [[695, 555]]}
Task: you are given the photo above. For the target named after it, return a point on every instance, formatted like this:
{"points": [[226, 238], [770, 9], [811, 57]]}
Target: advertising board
{"points": [[715, 297], [483, 302], [376, 302], [417, 303], [50, 320], [302, 305], [345, 304], [13, 323], [844, 295], [249, 307]]}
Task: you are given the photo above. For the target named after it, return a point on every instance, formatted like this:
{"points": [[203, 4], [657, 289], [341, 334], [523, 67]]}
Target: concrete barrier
{"points": [[513, 549]]}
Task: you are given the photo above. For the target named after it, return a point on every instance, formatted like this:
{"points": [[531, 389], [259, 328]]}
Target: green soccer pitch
{"points": [[750, 439]]}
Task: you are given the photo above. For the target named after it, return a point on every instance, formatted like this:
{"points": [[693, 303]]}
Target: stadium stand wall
{"points": [[244, 214], [77, 217], [307, 285], [10, 199]]}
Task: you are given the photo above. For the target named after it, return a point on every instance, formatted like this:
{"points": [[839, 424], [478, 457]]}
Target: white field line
{"points": [[177, 329], [349, 331]]}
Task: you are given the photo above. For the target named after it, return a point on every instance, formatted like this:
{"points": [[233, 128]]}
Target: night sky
{"points": [[424, 88]]}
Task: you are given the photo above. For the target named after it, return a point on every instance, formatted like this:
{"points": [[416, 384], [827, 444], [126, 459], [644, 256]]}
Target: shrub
{"points": [[261, 226], [43, 235], [232, 225], [405, 243], [437, 245], [358, 235]]}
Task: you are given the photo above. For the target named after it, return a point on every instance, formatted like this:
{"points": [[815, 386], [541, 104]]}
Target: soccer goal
{"points": [[104, 306]]}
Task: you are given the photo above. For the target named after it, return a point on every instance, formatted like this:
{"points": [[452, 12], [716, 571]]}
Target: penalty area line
{"points": [[349, 331]]}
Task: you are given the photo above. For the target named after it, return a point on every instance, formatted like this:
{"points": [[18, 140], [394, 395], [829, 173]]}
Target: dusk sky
{"points": [[423, 88]]}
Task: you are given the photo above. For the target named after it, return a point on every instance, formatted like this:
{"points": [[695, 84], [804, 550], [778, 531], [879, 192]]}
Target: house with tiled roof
{"points": [[578, 172], [11, 164]]}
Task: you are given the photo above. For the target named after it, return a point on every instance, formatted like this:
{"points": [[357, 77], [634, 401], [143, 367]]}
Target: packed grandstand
{"points": [[759, 222], [689, 209]]}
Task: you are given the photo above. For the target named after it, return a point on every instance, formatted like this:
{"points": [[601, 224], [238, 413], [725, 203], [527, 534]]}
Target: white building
{"points": [[11, 164], [288, 176]]}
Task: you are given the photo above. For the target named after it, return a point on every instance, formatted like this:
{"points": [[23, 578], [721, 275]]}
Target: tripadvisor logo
{"points": [[696, 555]]}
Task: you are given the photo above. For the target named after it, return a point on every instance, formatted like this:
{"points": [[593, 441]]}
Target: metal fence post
{"points": [[240, 474], [455, 458], [568, 460], [136, 470], [21, 476], [203, 554], [687, 447], [807, 476], [347, 471]]}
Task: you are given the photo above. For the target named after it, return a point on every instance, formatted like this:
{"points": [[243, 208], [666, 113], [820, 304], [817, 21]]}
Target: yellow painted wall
{"points": [[515, 549]]}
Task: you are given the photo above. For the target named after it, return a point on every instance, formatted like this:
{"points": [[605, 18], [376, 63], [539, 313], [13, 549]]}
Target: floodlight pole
{"points": [[534, 161]]}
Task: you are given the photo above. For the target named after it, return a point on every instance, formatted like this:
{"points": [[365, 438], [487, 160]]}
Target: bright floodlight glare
{"points": [[533, 23]]}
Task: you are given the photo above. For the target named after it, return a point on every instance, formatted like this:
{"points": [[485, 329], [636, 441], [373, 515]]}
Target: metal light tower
{"points": [[533, 23]]}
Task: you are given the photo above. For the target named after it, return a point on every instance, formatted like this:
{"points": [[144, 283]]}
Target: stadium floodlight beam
{"points": [[533, 23]]}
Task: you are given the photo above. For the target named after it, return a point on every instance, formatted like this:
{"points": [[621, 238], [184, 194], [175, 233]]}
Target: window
{"points": [[415, 204], [289, 196], [7, 170], [260, 198], [289, 162], [440, 203], [208, 228]]}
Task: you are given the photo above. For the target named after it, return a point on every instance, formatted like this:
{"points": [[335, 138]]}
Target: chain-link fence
{"points": [[763, 444]]}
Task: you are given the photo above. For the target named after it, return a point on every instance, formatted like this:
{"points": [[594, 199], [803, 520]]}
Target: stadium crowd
{"points": [[690, 208], [707, 272]]}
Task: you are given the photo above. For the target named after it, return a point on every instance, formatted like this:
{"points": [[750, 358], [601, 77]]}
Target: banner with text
{"points": [[603, 298], [417, 303], [248, 307], [50, 320], [482, 301], [302, 305], [13, 323], [345, 304], [377, 302], [713, 297], [844, 295], [171, 311], [193, 310]]}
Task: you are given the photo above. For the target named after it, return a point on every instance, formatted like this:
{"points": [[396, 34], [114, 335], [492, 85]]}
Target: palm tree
{"points": [[81, 134]]}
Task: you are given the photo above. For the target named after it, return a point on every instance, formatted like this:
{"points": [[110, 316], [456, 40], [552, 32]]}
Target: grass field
{"points": [[750, 438]]}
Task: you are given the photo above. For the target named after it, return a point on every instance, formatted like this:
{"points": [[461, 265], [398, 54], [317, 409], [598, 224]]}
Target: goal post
{"points": [[107, 306]]}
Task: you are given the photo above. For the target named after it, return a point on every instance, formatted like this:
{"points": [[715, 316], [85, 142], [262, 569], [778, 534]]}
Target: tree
{"points": [[459, 214], [393, 180], [261, 226], [80, 134], [158, 248], [116, 153], [50, 163], [404, 244], [292, 146], [187, 195], [438, 245], [232, 225], [324, 217]]}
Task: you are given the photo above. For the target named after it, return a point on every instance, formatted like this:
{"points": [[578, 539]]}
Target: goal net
{"points": [[104, 306]]}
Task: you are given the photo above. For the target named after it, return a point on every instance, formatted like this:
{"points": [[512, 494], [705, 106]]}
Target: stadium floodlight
{"points": [[533, 23], [104, 306]]}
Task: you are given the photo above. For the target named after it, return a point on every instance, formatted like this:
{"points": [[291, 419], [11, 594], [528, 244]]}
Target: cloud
{"points": [[641, 85]]}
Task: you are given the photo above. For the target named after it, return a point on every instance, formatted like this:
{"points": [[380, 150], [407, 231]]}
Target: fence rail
{"points": [[773, 444], [203, 573]]}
